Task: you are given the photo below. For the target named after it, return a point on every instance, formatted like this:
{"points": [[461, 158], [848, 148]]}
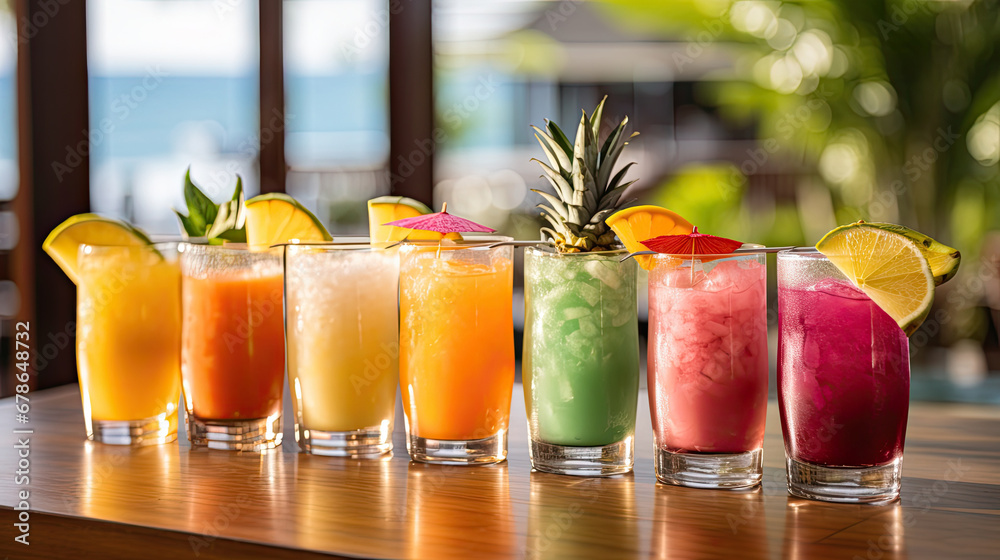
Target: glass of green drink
{"points": [[581, 361]]}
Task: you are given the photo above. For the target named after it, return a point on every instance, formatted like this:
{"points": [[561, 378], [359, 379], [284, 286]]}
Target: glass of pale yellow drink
{"points": [[341, 330]]}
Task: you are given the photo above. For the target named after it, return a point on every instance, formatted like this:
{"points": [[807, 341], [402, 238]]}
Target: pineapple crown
{"points": [[585, 191]]}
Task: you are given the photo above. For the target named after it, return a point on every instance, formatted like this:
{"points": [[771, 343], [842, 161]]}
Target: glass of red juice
{"points": [[707, 371], [843, 385]]}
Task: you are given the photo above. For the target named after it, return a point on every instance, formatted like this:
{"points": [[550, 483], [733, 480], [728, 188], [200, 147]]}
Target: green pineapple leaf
{"points": [[562, 187], [560, 138], [584, 191], [610, 143], [557, 158], [595, 118], [557, 204]]}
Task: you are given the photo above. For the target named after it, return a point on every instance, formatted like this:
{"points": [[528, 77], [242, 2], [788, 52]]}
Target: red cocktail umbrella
{"points": [[693, 243], [441, 222]]}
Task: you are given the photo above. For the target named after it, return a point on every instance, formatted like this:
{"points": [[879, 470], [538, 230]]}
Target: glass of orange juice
{"points": [[128, 342], [456, 343], [232, 346], [341, 328]]}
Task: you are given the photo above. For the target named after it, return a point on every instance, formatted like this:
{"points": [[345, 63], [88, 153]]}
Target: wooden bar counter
{"points": [[92, 500]]}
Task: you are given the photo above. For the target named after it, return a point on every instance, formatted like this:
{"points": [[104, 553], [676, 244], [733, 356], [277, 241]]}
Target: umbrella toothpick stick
{"points": [[737, 251], [444, 208]]}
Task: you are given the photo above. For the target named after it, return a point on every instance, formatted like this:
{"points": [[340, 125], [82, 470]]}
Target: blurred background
{"points": [[769, 122]]}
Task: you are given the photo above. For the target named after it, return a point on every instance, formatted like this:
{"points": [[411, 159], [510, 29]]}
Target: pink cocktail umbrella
{"points": [[441, 222]]}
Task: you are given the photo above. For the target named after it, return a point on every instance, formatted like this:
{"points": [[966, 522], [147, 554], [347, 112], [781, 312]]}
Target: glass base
{"points": [[602, 460], [235, 435], [852, 485], [366, 443], [150, 431], [710, 470], [458, 452]]}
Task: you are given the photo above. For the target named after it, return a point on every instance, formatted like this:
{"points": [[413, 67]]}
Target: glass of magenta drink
{"points": [[708, 368], [844, 384]]}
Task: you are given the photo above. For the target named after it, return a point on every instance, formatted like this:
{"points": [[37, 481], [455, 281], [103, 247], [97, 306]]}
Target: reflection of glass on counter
{"points": [[689, 522], [465, 511], [807, 522], [230, 493], [351, 498], [573, 518], [120, 483]]}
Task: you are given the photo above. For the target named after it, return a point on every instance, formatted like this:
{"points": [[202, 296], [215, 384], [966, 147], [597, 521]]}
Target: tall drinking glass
{"points": [[341, 328], [128, 342], [708, 368], [844, 385], [456, 345], [581, 361], [233, 346]]}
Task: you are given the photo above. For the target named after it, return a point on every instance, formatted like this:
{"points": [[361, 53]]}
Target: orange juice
{"points": [[456, 341], [128, 334]]}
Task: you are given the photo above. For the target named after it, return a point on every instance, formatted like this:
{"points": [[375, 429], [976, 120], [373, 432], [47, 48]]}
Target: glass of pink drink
{"points": [[844, 385], [708, 368]]}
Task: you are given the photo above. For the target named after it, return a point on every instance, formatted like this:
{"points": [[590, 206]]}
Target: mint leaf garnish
{"points": [[217, 222]]}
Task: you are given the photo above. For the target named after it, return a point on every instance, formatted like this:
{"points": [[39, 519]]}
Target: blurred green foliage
{"points": [[885, 110], [888, 102]]}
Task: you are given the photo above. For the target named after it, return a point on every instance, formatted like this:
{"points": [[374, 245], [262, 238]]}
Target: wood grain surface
{"points": [[91, 500]]}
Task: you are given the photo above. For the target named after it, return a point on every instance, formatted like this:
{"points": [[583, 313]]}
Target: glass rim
{"points": [[335, 241], [89, 247], [472, 242], [550, 251], [232, 248], [300, 248], [734, 254], [801, 253]]}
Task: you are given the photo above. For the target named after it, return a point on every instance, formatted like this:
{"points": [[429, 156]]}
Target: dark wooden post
{"points": [[54, 143], [272, 99], [411, 100]]}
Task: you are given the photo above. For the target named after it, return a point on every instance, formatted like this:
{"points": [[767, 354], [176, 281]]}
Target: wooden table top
{"points": [[92, 500]]}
